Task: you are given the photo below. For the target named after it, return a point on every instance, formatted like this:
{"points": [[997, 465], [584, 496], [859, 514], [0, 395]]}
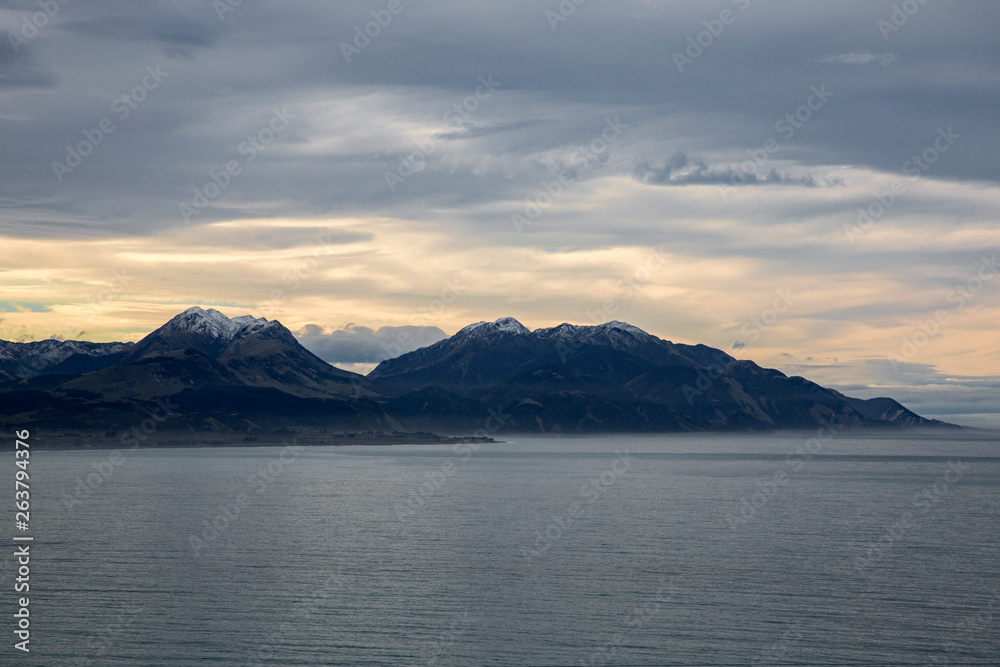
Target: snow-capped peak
{"points": [[615, 325], [615, 328], [564, 331], [471, 327], [502, 325], [509, 324], [214, 323]]}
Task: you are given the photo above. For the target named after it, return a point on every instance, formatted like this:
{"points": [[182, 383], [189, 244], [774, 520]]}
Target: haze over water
{"points": [[517, 557]]}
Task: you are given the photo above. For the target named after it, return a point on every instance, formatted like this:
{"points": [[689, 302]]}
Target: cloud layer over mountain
{"points": [[467, 160]]}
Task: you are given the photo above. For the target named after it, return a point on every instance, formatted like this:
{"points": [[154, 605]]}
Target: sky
{"points": [[812, 186]]}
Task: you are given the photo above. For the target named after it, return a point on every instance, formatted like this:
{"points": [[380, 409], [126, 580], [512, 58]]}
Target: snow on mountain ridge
{"points": [[564, 331], [471, 327], [54, 350], [615, 325], [502, 325], [214, 323], [509, 324]]}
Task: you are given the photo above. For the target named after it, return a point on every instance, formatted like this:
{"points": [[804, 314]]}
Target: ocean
{"points": [[623, 550]]}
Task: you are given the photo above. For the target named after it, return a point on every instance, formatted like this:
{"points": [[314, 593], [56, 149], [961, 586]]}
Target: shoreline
{"points": [[83, 442]]}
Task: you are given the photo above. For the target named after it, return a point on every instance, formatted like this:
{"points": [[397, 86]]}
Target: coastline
{"points": [[94, 442]]}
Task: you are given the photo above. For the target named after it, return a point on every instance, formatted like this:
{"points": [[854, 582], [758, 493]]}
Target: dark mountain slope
{"points": [[248, 374], [617, 377]]}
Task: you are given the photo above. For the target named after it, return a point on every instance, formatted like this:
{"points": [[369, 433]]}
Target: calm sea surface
{"points": [[691, 550]]}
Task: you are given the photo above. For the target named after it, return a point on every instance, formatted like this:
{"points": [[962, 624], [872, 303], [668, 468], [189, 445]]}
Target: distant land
{"points": [[243, 378]]}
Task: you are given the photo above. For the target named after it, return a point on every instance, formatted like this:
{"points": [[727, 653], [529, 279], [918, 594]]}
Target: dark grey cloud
{"points": [[691, 130], [558, 86], [861, 58], [362, 345], [679, 169]]}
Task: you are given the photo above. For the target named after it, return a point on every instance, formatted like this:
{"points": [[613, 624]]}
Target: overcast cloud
{"points": [[478, 159]]}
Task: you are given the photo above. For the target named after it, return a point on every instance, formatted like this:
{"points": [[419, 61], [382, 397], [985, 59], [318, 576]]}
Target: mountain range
{"points": [[247, 375]]}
